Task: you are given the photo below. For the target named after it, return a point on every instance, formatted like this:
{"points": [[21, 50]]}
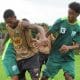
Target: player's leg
{"points": [[51, 70], [15, 78], [69, 70], [22, 69], [42, 59], [9, 61], [34, 67]]}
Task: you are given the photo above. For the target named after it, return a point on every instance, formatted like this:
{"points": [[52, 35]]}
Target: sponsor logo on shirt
{"points": [[17, 41], [14, 67], [73, 33], [62, 30]]}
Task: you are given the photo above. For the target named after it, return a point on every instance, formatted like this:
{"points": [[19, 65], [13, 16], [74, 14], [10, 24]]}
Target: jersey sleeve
{"points": [[77, 37], [55, 27], [2, 27]]}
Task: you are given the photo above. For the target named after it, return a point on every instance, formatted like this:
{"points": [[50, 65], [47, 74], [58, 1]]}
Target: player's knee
{"points": [[15, 78], [36, 73], [68, 76]]}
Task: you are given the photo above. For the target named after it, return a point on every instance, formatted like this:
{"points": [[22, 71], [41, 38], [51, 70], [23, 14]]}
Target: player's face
{"points": [[11, 21], [72, 15]]}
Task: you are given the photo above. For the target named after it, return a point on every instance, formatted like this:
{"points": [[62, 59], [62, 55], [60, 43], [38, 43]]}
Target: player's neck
{"points": [[72, 21], [16, 24]]}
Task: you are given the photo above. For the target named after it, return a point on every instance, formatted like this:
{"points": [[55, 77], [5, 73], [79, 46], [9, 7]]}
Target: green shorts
{"points": [[9, 60], [52, 68]]}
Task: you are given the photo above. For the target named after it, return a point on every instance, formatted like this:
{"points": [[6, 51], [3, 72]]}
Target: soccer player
{"points": [[62, 55], [26, 52], [9, 60], [8, 56], [44, 50]]}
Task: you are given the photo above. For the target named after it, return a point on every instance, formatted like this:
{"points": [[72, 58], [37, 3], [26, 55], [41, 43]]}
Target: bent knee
{"points": [[68, 76]]}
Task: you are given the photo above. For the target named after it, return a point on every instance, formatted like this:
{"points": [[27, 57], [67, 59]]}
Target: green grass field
{"points": [[59, 76]]}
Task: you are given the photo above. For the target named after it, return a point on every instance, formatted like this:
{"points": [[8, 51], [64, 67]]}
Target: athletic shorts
{"points": [[9, 60], [31, 65], [52, 68], [43, 58]]}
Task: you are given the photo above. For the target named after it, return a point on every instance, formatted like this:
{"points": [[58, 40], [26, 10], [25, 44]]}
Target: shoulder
{"points": [[2, 25], [78, 25], [60, 20], [24, 23]]}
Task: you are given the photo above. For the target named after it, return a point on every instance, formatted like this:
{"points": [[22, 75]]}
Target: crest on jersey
{"points": [[17, 41], [62, 30], [73, 33]]}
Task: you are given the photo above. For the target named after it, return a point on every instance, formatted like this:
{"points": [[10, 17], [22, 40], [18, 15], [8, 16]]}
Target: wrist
{"points": [[70, 47], [79, 46]]}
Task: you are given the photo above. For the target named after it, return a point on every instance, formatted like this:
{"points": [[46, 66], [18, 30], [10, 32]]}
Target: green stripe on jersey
{"points": [[6, 46]]}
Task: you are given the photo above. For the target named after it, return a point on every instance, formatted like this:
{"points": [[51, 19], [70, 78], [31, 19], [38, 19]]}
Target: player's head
{"points": [[45, 26], [25, 19], [74, 11], [9, 17]]}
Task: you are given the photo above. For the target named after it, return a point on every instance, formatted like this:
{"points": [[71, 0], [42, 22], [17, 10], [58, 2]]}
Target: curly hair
{"points": [[75, 6]]}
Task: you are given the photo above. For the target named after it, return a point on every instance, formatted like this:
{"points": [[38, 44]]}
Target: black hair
{"points": [[8, 13], [44, 25], [75, 6], [24, 19]]}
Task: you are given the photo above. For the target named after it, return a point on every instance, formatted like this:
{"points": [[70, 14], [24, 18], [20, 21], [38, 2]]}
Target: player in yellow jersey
{"points": [[26, 52]]}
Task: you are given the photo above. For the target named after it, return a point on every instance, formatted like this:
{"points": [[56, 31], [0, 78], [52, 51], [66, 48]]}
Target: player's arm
{"points": [[36, 27], [65, 48], [55, 27]]}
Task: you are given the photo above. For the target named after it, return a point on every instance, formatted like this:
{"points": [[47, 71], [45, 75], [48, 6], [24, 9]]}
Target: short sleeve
{"points": [[56, 26], [77, 37]]}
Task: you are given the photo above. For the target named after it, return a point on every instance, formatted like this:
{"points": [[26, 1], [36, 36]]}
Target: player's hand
{"points": [[35, 42], [64, 48], [44, 42], [40, 43]]}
